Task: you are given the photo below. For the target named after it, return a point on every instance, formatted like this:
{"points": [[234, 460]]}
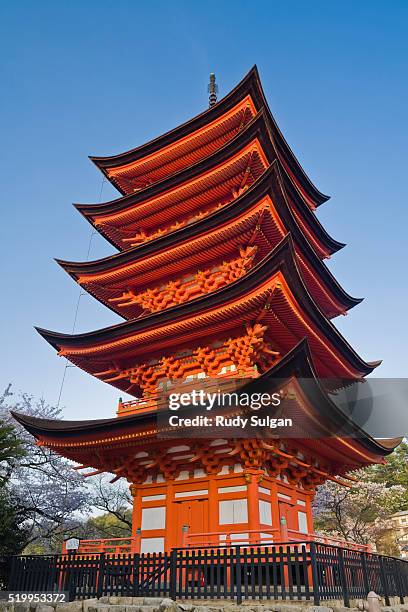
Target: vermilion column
{"points": [[136, 516], [171, 537], [213, 508], [252, 477], [309, 501], [275, 510]]}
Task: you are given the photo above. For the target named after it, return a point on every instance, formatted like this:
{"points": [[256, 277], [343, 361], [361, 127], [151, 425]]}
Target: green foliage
{"points": [[11, 449], [106, 526], [109, 526], [12, 535], [386, 543]]}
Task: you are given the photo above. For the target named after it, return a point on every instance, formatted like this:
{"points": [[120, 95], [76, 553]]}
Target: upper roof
{"points": [[136, 266], [249, 86], [196, 187]]}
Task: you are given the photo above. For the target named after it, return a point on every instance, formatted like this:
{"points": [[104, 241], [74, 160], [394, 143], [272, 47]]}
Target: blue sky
{"points": [[100, 77]]}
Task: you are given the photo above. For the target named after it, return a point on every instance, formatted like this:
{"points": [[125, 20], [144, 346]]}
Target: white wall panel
{"points": [[154, 518], [265, 514], [233, 511], [152, 545]]}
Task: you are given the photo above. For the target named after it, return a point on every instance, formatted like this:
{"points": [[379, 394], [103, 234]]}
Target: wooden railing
{"points": [[230, 537], [114, 546], [264, 536], [230, 381], [298, 536], [141, 404], [227, 538]]}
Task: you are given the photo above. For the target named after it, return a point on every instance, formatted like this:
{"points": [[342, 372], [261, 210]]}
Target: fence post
{"points": [[238, 574], [11, 577], [136, 559], [51, 579], [384, 581], [101, 576], [343, 578], [398, 579], [365, 573], [315, 574], [71, 578], [173, 574]]}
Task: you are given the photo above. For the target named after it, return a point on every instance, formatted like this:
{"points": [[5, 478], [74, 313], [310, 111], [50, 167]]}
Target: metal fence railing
{"points": [[5, 566], [311, 571]]}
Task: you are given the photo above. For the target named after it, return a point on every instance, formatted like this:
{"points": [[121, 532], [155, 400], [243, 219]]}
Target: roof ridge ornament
{"points": [[212, 90]]}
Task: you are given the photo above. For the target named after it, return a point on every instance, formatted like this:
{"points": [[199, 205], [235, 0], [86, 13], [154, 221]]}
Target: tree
{"points": [[358, 514], [11, 448], [114, 500], [393, 472], [13, 536], [104, 526], [361, 514], [50, 496]]}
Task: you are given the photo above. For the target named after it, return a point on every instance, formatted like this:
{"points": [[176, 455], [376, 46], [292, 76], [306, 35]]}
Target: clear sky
{"points": [[100, 77]]}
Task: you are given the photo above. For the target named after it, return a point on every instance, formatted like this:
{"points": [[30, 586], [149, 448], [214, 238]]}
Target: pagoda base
{"points": [[239, 505]]}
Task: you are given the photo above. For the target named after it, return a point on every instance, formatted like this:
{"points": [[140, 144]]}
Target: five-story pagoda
{"points": [[219, 273]]}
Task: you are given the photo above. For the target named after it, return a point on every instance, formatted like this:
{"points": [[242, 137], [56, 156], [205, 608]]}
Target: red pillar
{"points": [[213, 520], [252, 477], [171, 537], [136, 517]]}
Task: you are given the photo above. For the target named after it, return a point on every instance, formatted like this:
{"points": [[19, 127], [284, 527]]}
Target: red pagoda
{"points": [[219, 273]]}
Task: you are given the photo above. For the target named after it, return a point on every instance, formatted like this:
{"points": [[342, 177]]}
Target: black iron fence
{"points": [[5, 565], [304, 571]]}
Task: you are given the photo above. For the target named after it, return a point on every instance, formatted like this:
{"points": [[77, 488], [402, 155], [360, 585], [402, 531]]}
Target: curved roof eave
{"points": [[291, 158], [256, 127], [281, 258], [155, 144], [301, 360], [297, 362], [251, 83], [266, 183]]}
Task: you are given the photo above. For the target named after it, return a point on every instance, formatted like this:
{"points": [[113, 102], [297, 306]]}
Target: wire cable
{"points": [[81, 293]]}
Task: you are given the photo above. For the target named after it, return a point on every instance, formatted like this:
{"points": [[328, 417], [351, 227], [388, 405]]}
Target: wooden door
{"points": [[192, 513]]}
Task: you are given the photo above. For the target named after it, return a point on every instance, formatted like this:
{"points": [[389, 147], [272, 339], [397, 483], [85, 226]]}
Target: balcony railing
{"points": [[241, 537], [230, 381]]}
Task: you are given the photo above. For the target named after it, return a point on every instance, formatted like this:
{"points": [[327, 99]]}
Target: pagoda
{"points": [[219, 273]]}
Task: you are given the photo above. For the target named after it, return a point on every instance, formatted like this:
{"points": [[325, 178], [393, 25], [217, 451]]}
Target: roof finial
{"points": [[212, 90]]}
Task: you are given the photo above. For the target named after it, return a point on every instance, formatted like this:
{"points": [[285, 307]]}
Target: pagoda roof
{"points": [[78, 440], [273, 290], [189, 246], [249, 86], [113, 219]]}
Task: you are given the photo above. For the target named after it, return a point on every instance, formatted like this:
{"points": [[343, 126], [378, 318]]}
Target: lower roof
{"points": [[297, 365]]}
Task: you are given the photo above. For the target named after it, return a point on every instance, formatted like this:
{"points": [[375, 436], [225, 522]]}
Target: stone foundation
{"points": [[155, 604]]}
